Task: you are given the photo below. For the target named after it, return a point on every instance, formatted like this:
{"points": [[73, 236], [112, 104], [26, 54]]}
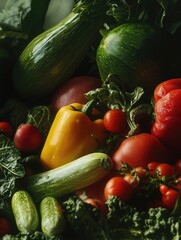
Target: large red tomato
{"points": [[73, 91], [139, 150]]}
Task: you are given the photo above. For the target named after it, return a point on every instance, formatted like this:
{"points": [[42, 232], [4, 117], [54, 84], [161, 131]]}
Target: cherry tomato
{"points": [[152, 167], [163, 189], [5, 226], [132, 180], [178, 167], [6, 128], [97, 203], [115, 121], [165, 170], [27, 138], [96, 190], [140, 172], [169, 198], [139, 150], [118, 186]]}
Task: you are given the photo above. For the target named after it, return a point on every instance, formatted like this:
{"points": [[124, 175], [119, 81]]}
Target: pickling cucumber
{"points": [[24, 211]]}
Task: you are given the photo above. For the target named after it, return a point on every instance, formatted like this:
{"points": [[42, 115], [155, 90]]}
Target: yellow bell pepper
{"points": [[71, 136]]}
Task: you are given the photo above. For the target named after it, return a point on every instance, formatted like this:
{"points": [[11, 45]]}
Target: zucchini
{"points": [[52, 57], [24, 211], [68, 178], [139, 54], [52, 218]]}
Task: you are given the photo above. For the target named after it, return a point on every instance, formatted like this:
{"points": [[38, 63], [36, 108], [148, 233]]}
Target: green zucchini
{"points": [[52, 57], [24, 211], [68, 178], [139, 54], [52, 218]]}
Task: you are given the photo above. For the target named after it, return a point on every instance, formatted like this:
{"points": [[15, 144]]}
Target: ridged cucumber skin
{"points": [[52, 57], [52, 218], [68, 178], [24, 211]]}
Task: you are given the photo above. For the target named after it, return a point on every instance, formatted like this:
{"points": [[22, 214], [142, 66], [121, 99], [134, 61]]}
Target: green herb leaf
{"points": [[41, 117], [10, 166]]}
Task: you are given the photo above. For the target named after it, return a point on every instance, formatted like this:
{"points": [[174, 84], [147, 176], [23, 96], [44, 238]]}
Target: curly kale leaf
{"points": [[41, 117], [10, 166], [31, 236], [156, 223], [84, 221]]}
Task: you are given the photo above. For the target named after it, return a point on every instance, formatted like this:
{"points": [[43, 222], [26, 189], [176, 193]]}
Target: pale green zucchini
{"points": [[69, 177]]}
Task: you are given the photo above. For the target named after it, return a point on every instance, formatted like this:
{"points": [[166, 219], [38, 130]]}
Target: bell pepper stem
{"points": [[87, 108]]}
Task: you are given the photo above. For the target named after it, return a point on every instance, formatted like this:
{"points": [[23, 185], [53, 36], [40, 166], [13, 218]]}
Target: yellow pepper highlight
{"points": [[71, 136]]}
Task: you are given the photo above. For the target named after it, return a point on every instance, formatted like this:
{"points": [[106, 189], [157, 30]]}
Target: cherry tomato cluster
{"points": [[160, 181]]}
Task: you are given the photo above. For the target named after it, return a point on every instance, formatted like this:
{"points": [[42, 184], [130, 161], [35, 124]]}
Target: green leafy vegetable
{"points": [[10, 166], [123, 222], [30, 236], [163, 13], [41, 117]]}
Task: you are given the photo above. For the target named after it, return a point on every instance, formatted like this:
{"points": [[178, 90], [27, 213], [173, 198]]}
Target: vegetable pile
{"points": [[90, 121]]}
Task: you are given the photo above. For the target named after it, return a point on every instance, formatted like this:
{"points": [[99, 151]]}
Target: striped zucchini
{"points": [[52, 57], [69, 177], [52, 218], [24, 211]]}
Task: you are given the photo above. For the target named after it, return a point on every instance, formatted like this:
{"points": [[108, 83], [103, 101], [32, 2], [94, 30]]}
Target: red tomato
{"points": [[178, 167], [165, 170], [115, 121], [118, 186], [27, 138], [5, 226], [97, 203], [6, 128], [139, 150], [132, 180], [152, 167], [169, 198], [140, 172], [96, 190], [163, 189], [73, 91]]}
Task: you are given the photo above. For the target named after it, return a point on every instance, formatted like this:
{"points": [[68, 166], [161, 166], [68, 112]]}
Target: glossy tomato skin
{"points": [[73, 91], [96, 190], [165, 170], [169, 198], [139, 150], [6, 128], [27, 138], [115, 121], [118, 186]]}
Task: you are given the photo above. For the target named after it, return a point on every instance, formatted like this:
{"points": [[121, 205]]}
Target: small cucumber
{"points": [[68, 178], [24, 211], [52, 219]]}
